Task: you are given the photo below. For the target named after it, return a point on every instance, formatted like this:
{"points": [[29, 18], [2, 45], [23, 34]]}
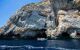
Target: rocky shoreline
{"points": [[48, 19]]}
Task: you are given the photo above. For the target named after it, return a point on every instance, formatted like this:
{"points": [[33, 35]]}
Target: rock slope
{"points": [[47, 19]]}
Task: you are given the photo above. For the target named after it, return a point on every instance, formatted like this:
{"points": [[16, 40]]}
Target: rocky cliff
{"points": [[47, 19]]}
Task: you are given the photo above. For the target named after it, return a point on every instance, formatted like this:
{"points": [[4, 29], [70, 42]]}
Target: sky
{"points": [[9, 7]]}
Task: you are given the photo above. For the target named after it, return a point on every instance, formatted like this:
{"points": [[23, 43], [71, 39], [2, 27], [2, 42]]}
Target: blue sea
{"points": [[39, 44]]}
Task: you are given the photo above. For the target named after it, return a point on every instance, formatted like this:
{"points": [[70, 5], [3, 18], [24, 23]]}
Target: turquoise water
{"points": [[40, 45]]}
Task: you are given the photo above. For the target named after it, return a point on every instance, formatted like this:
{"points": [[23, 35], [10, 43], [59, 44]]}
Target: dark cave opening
{"points": [[64, 35], [41, 34]]}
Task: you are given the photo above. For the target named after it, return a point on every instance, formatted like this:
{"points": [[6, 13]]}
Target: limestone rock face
{"points": [[30, 21], [69, 21], [50, 18], [67, 13]]}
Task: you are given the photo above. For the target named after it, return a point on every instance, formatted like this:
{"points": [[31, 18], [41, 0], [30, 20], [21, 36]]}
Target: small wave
{"points": [[59, 48], [3, 47]]}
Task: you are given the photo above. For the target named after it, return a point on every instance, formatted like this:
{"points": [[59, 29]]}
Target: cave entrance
{"points": [[64, 35], [42, 34]]}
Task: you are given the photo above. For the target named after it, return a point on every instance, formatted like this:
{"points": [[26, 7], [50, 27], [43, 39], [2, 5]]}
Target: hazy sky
{"points": [[9, 7]]}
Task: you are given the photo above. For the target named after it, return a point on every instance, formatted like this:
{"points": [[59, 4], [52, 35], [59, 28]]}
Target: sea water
{"points": [[39, 44]]}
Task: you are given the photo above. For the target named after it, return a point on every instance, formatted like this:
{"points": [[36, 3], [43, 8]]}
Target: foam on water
{"points": [[28, 47]]}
